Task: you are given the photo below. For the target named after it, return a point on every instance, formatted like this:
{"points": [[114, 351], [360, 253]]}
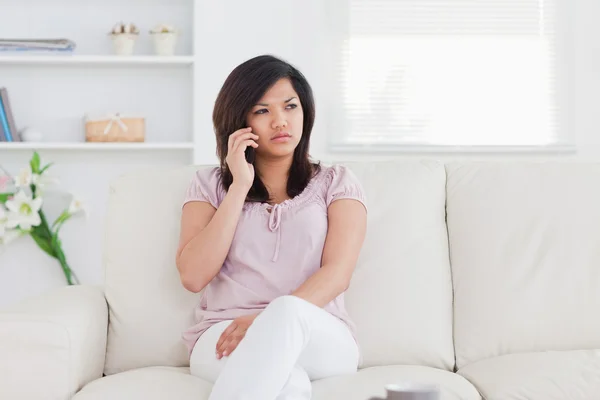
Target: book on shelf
{"points": [[52, 45], [8, 128]]}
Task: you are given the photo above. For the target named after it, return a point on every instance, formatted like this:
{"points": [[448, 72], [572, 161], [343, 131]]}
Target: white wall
{"points": [[230, 32]]}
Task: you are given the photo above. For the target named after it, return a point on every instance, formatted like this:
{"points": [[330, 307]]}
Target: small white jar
{"points": [[164, 43], [30, 134], [123, 43]]}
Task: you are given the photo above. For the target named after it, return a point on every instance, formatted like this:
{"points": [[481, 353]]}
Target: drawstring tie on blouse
{"points": [[274, 225]]}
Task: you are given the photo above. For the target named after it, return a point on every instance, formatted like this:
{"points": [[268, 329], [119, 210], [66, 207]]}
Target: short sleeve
{"points": [[344, 185], [205, 186]]}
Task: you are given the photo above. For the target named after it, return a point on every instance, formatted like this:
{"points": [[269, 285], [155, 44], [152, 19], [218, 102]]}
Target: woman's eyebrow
{"points": [[266, 105]]}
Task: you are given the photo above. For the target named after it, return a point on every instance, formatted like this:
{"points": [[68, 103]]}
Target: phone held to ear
{"points": [[250, 153]]}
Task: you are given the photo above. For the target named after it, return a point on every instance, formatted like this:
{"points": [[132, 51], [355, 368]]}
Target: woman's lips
{"points": [[281, 137]]}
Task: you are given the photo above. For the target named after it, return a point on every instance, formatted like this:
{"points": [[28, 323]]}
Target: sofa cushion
{"points": [[148, 306], [152, 383], [400, 297], [401, 293], [371, 382], [158, 383], [554, 375], [524, 244]]}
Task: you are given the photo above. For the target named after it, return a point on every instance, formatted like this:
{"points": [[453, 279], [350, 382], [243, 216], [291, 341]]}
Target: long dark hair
{"points": [[244, 86]]}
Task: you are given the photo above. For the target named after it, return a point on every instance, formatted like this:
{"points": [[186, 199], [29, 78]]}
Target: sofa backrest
{"points": [[401, 293], [525, 251], [148, 307], [400, 296]]}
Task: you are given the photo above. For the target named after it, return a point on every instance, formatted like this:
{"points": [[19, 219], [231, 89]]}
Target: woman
{"points": [[273, 243]]}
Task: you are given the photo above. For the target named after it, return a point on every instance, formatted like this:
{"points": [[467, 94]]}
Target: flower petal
{"points": [[34, 219], [13, 220], [24, 178], [12, 206], [36, 204], [9, 236], [21, 197]]}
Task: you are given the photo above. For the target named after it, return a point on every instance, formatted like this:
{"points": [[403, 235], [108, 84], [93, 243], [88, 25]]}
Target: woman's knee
{"points": [[287, 306]]}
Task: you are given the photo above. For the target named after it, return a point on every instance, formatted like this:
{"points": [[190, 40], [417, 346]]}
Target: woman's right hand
{"points": [[241, 170]]}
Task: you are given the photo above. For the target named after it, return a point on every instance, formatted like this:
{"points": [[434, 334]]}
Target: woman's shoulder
{"points": [[340, 182], [211, 175], [337, 174], [206, 185]]}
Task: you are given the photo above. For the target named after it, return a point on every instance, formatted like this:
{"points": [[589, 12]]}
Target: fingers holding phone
{"points": [[237, 157]]}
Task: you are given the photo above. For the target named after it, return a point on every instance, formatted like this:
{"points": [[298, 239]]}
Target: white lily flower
{"points": [[10, 235], [43, 180], [3, 221], [23, 211], [24, 178], [77, 205]]}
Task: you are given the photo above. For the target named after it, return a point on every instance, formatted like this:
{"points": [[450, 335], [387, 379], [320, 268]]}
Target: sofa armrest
{"points": [[52, 345]]}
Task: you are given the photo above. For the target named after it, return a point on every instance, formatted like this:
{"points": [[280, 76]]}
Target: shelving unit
{"points": [[52, 92], [95, 146], [91, 60]]}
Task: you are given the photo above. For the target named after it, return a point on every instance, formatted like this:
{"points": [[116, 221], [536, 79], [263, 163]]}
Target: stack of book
{"points": [[8, 128], [37, 45]]}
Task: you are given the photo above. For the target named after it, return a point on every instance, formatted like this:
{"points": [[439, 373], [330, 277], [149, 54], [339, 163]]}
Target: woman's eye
{"points": [[261, 111], [292, 106]]}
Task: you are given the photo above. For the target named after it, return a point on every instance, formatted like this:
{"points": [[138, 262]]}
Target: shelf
{"points": [[93, 146], [95, 60]]}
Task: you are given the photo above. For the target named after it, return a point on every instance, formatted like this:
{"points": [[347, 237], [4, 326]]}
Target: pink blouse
{"points": [[274, 249]]}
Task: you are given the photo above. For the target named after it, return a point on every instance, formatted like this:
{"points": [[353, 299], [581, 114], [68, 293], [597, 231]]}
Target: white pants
{"points": [[289, 344]]}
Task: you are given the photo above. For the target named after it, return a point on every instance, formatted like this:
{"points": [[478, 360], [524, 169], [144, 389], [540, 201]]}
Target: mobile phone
{"points": [[250, 154]]}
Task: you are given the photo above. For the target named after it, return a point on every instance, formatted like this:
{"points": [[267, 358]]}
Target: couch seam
{"points": [[455, 367]]}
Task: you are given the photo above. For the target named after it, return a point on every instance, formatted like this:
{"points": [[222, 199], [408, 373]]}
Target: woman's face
{"points": [[277, 119]]}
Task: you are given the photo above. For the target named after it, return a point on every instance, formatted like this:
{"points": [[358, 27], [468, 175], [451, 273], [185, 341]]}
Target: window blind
{"points": [[446, 73]]}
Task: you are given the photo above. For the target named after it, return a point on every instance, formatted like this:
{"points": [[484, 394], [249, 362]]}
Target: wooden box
{"points": [[114, 128]]}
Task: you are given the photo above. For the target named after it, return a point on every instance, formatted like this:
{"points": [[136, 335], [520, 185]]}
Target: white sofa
{"points": [[483, 277]]}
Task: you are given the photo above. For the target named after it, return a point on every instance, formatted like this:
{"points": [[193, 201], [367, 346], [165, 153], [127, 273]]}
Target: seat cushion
{"points": [[152, 383], [554, 375], [371, 381], [159, 383]]}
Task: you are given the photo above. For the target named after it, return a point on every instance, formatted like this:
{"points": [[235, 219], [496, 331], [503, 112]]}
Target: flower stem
{"points": [[69, 273], [57, 252]]}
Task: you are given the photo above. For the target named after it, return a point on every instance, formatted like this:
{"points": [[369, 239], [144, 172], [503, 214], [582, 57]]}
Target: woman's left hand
{"points": [[233, 335]]}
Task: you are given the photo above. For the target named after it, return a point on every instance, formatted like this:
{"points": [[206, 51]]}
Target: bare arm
{"points": [[345, 236], [206, 236], [207, 233]]}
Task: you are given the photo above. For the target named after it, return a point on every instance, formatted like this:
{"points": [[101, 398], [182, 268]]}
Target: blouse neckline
{"points": [[295, 201]]}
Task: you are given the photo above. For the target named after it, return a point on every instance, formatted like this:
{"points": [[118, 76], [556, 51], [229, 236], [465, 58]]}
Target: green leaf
{"points": [[43, 244], [41, 231], [46, 167], [35, 163], [44, 225], [4, 197], [55, 241]]}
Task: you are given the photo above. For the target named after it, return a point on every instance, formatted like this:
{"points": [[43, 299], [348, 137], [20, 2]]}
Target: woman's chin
{"points": [[280, 151]]}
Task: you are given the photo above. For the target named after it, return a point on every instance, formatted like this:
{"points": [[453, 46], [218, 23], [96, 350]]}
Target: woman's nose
{"points": [[279, 121]]}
